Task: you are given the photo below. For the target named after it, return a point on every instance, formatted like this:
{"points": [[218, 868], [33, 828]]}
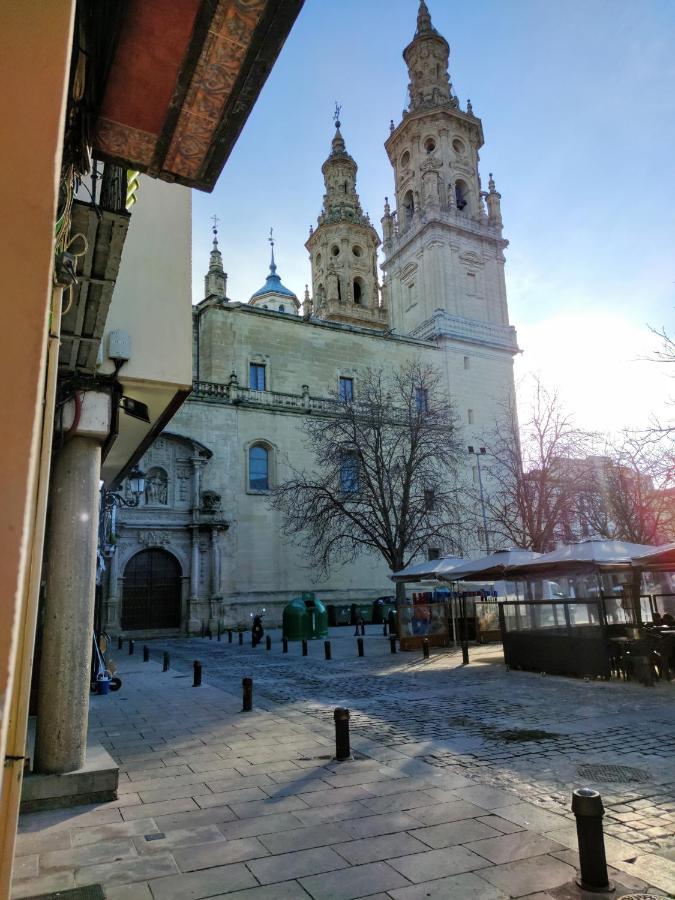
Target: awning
{"points": [[660, 559], [426, 571], [493, 567], [582, 558]]}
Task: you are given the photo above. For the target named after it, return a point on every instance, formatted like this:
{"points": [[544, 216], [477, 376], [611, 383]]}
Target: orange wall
{"points": [[35, 42]]}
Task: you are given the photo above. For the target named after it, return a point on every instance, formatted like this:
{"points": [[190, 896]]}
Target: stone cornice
{"points": [[471, 331]]}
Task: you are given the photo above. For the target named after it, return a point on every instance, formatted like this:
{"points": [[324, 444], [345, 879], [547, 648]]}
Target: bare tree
{"points": [[661, 430], [531, 485], [629, 493], [384, 474]]}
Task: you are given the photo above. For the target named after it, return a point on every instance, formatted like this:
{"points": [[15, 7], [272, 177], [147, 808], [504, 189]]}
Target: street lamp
{"points": [[136, 479], [478, 453]]}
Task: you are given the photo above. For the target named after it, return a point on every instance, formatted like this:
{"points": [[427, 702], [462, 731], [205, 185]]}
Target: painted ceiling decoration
{"points": [[183, 80]]}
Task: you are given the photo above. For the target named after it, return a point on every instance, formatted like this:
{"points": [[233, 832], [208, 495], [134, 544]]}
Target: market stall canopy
{"points": [[582, 558], [169, 84], [426, 571], [492, 567], [659, 559]]}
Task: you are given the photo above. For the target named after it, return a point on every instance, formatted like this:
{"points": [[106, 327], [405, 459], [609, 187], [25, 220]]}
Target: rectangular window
{"points": [[256, 377], [428, 500], [421, 400], [470, 416], [346, 389], [467, 362], [433, 553], [349, 473], [471, 284]]}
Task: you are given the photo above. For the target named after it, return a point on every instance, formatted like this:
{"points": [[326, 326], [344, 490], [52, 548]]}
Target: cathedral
{"points": [[203, 546]]}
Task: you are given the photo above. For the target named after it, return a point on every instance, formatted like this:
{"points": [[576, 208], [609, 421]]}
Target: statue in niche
{"points": [[333, 288], [156, 487]]}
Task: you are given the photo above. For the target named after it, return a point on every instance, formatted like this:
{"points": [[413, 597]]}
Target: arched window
{"points": [[258, 468], [358, 291], [339, 287], [282, 308], [408, 208], [461, 194]]}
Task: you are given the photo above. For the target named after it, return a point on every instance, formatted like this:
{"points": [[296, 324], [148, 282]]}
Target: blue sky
{"points": [[577, 100]]}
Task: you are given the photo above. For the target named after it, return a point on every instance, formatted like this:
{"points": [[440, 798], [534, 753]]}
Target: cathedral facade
{"points": [[203, 545]]}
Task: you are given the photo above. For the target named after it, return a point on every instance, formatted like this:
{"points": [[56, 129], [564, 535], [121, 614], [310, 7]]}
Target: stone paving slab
{"points": [[217, 803]]}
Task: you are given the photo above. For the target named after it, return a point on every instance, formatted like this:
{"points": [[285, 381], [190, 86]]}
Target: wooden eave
{"points": [[183, 81]]}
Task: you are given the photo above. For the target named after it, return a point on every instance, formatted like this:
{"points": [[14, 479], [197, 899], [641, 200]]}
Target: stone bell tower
{"points": [[343, 249], [443, 244]]}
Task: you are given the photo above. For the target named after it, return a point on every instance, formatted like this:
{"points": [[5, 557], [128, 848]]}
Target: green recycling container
{"points": [[305, 618]]}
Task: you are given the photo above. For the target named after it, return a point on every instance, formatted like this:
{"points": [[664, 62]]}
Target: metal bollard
{"points": [[304, 648], [131, 647], [284, 645], [342, 749], [268, 642], [166, 662], [392, 643], [425, 648], [197, 673], [218, 630], [359, 645], [384, 629], [465, 653], [327, 650], [229, 635], [363, 627], [146, 654], [247, 685], [241, 638], [119, 643], [588, 810]]}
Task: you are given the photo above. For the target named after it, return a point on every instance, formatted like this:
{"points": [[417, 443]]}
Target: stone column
{"points": [[63, 699], [194, 616]]}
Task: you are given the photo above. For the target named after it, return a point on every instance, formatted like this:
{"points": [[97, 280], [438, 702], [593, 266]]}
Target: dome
{"points": [[273, 294]]}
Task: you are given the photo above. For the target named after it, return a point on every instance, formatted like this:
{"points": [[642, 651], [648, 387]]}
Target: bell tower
{"points": [[443, 243], [343, 248]]}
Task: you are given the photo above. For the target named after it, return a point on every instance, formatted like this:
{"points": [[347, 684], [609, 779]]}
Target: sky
{"points": [[577, 101]]}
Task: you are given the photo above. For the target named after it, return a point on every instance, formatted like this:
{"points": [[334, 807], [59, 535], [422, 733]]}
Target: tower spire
{"points": [[273, 267], [215, 281], [427, 59], [424, 20]]}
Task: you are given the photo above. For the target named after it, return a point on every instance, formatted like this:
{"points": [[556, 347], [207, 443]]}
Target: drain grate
{"points": [[609, 773], [90, 892]]}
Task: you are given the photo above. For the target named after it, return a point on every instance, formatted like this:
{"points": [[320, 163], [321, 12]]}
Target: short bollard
{"points": [[359, 646], [327, 650], [465, 653], [284, 645], [384, 629], [588, 810], [247, 685], [363, 627], [229, 635], [197, 673], [219, 631], [119, 643], [146, 654], [166, 662], [392, 643], [304, 648], [425, 648], [342, 749], [131, 648], [268, 642], [241, 638]]}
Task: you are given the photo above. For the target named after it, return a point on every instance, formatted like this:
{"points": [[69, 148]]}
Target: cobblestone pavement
{"points": [[514, 730], [459, 786]]}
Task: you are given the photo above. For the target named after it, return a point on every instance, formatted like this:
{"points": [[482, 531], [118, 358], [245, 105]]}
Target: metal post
{"points": [[131, 647], [241, 638], [119, 643], [392, 643], [327, 650], [363, 627], [146, 654], [588, 810], [425, 648], [197, 673], [304, 648], [359, 645], [166, 662], [229, 635], [284, 645], [247, 685], [268, 642], [219, 629], [342, 749], [384, 629]]}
